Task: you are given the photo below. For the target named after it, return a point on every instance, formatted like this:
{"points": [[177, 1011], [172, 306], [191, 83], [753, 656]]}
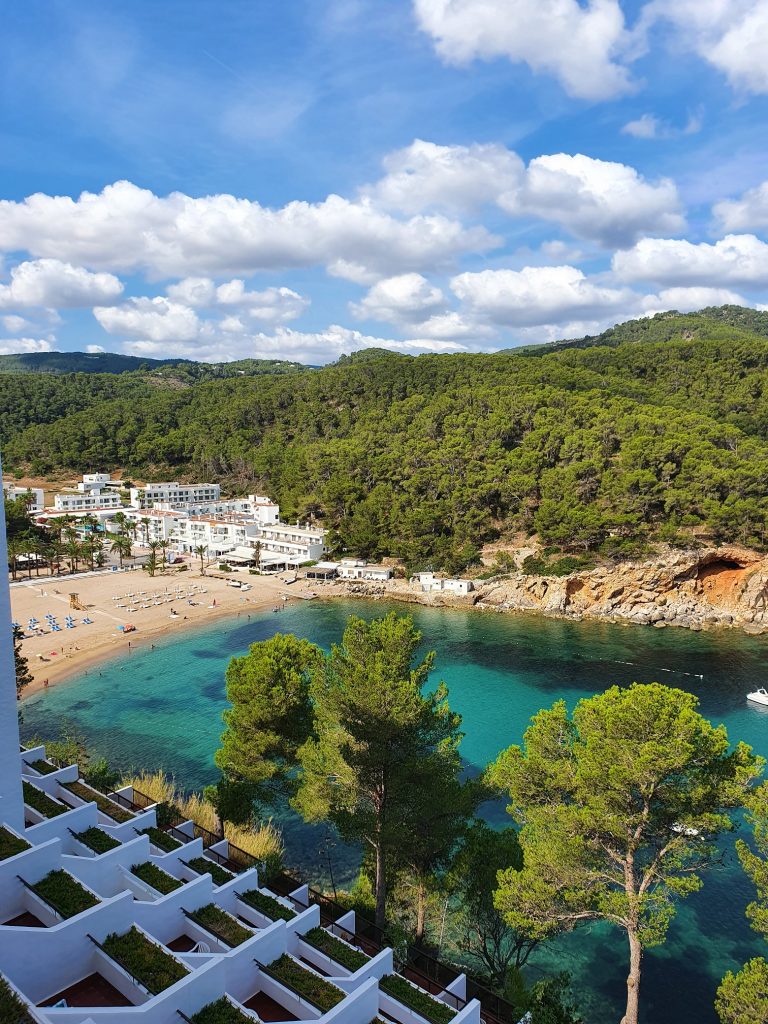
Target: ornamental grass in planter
{"points": [[11, 844], [41, 802], [268, 905], [221, 924], [12, 1010], [307, 984], [337, 950], [64, 893], [220, 1012], [161, 839], [43, 767], [419, 1001], [97, 840], [203, 866], [156, 877], [146, 961], [104, 804]]}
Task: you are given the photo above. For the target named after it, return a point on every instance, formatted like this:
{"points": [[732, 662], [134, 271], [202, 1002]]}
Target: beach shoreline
{"points": [[55, 656]]}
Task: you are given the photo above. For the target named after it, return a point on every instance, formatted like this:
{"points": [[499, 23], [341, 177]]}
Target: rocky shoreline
{"points": [[695, 589]]}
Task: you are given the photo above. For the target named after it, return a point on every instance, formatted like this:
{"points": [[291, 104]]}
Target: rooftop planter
{"points": [[13, 1011], [146, 961], [41, 802], [104, 804], [64, 893], [267, 905], [337, 950], [156, 877], [421, 1002], [43, 767], [203, 866], [11, 844], [97, 840], [161, 839], [220, 1012], [221, 924], [309, 986]]}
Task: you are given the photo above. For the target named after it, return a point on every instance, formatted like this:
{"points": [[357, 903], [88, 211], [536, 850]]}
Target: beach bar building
{"points": [[110, 914]]}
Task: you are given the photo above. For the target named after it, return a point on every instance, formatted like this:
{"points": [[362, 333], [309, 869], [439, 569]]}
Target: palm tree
{"points": [[151, 562], [73, 551], [14, 550], [54, 531], [121, 546], [164, 549], [201, 550], [145, 527]]}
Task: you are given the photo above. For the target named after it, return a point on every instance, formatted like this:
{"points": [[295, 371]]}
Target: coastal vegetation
{"points": [[743, 997], [655, 431], [619, 807]]}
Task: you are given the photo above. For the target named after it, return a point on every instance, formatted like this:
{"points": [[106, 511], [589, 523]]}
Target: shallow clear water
{"points": [[162, 708]]}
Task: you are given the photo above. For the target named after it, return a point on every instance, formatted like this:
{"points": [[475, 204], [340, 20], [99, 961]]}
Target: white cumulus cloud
{"points": [[579, 44], [53, 283], [747, 213], [740, 260], [598, 200], [128, 228], [13, 346], [403, 298], [273, 304], [156, 319]]}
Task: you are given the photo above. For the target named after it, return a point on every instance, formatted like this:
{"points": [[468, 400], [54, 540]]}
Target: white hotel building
{"points": [[174, 494], [36, 496], [86, 501], [107, 919]]}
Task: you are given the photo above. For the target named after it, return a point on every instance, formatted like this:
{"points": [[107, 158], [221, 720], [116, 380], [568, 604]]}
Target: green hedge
{"points": [[13, 1011], [41, 802], [221, 924], [96, 839], [337, 950], [305, 983], [64, 893], [268, 905], [416, 999], [161, 839], [203, 866], [156, 877], [104, 804], [151, 965], [220, 1012], [43, 767], [11, 844]]}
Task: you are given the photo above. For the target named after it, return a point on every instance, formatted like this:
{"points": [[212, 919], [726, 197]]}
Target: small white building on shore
{"points": [[432, 584], [359, 569]]}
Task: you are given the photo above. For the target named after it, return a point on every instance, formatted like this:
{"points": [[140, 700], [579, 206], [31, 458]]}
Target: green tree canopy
{"points": [[619, 806]]}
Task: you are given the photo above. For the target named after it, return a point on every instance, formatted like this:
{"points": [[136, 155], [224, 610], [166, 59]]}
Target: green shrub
{"points": [[220, 1012], [12, 1010], [421, 1002], [223, 567], [305, 983], [41, 802], [337, 950], [97, 840], [151, 965], [203, 866], [167, 814], [157, 878], [182, 568], [221, 924], [43, 767], [104, 804], [64, 893], [268, 905], [161, 839], [11, 844]]}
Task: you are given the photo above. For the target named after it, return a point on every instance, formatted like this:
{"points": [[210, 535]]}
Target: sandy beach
{"points": [[161, 605]]}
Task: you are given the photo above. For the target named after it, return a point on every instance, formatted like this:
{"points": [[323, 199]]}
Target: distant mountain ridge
{"points": [[114, 362]]}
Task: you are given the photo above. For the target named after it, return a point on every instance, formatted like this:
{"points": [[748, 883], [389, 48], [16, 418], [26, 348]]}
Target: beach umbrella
{"points": [[15, 625], [33, 623]]}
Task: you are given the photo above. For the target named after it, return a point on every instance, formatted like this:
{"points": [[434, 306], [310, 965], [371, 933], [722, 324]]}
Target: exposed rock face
{"points": [[696, 589]]}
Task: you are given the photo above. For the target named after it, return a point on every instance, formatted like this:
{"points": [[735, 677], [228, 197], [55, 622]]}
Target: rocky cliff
{"points": [[696, 589]]}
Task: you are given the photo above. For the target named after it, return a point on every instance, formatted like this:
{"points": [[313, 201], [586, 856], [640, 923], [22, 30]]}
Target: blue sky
{"points": [[298, 180]]}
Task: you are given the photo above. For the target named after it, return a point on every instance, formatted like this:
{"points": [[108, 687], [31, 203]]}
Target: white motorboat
{"points": [[759, 696]]}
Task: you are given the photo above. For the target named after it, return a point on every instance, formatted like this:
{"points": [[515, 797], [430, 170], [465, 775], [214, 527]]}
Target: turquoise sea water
{"points": [[162, 708]]}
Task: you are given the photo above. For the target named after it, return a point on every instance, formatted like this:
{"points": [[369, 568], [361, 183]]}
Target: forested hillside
{"points": [[605, 446]]}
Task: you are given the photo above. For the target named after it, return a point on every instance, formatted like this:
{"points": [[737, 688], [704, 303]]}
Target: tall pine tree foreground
{"points": [[619, 807], [743, 998], [380, 745]]}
